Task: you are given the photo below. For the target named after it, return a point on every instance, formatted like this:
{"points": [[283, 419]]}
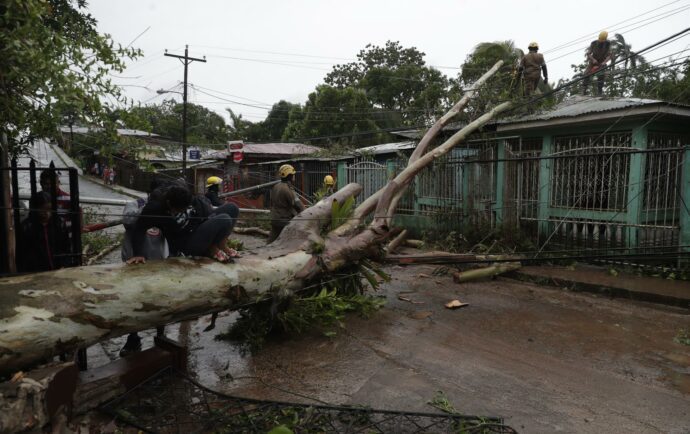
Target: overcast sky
{"points": [[260, 52]]}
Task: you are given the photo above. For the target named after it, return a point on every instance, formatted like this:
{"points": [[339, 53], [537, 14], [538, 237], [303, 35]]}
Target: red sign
{"points": [[237, 156]]}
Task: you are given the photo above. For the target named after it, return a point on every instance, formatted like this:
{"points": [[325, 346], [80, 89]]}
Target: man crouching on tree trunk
{"points": [[285, 203], [188, 223]]}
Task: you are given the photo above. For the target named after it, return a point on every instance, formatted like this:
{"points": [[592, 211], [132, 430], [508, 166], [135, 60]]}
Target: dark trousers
{"points": [[531, 83], [588, 80], [217, 227], [276, 228]]}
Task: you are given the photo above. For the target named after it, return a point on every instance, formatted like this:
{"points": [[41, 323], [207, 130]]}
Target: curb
{"points": [[66, 160], [612, 291]]}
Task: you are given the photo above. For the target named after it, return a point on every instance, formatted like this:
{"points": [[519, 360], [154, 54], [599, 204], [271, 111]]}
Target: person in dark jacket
{"points": [[598, 55], [189, 224], [212, 189], [285, 204], [42, 239], [531, 67]]}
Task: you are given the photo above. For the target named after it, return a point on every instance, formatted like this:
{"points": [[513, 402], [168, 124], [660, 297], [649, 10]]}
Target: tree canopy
{"points": [[396, 79], [55, 66], [203, 125]]}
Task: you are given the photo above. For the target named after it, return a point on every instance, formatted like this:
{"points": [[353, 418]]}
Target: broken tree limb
{"points": [[396, 241], [252, 231], [416, 244], [447, 258], [32, 400], [370, 203], [480, 273]]}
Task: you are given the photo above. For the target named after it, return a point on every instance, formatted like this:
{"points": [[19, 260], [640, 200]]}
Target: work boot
{"points": [[133, 345]]}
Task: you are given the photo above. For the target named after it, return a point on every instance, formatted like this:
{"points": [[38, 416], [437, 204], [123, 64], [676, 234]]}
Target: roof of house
{"points": [[387, 148], [270, 149], [578, 109], [120, 131]]}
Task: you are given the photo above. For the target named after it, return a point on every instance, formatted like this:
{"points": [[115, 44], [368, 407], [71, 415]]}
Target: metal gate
{"points": [[370, 175]]}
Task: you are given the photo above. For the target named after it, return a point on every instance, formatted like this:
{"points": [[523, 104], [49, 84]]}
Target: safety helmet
{"points": [[286, 170], [213, 180], [603, 35], [533, 45], [328, 180]]}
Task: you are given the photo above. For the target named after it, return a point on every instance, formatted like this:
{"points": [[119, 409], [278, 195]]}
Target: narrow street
{"points": [[546, 360]]}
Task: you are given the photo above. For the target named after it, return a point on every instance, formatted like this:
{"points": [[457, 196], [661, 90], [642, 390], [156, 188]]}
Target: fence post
{"points": [[635, 197], [685, 203], [500, 177], [545, 166], [342, 174]]}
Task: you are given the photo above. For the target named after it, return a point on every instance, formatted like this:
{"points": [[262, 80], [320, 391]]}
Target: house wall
{"points": [[619, 187]]}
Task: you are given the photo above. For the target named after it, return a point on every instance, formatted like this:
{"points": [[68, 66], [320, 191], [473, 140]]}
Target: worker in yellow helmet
{"points": [[212, 189], [285, 204], [328, 185], [598, 55], [532, 65]]}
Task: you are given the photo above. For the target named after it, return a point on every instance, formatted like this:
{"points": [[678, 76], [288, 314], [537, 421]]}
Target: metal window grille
{"points": [[596, 177]]}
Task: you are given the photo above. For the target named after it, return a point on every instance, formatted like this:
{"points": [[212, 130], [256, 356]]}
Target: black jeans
{"points": [[212, 231], [600, 75]]}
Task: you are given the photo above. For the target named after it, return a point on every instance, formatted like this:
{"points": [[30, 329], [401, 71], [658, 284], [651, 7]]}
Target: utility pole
{"points": [[186, 60]]}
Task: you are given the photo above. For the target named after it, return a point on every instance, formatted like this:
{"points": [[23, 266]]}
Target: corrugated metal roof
{"points": [[120, 131], [279, 148], [276, 149], [578, 105], [387, 148]]}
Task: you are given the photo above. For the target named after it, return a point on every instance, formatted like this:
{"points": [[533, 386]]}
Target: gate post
{"points": [[500, 177], [545, 166], [635, 196], [342, 174], [684, 214]]}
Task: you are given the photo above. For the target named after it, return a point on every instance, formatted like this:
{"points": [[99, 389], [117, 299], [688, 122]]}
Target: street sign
{"points": [[194, 154]]}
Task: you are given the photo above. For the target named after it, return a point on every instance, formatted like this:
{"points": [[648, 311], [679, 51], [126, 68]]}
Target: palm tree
{"points": [[485, 55], [633, 61]]}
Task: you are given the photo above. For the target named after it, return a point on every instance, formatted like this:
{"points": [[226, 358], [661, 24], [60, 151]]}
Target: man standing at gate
{"points": [[285, 204], [598, 55], [531, 67]]}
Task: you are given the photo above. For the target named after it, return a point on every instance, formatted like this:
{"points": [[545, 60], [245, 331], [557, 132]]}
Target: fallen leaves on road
{"points": [[421, 314], [423, 276], [455, 304]]}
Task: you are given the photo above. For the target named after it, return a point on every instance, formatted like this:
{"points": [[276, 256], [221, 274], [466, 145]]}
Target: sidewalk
{"points": [[136, 194], [596, 279]]}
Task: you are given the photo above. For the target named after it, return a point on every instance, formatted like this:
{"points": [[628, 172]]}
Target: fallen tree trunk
{"points": [[481, 273], [45, 314]]}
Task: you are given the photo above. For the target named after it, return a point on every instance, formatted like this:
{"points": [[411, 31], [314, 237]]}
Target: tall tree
{"points": [[55, 64], [165, 119], [395, 79], [334, 115]]}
